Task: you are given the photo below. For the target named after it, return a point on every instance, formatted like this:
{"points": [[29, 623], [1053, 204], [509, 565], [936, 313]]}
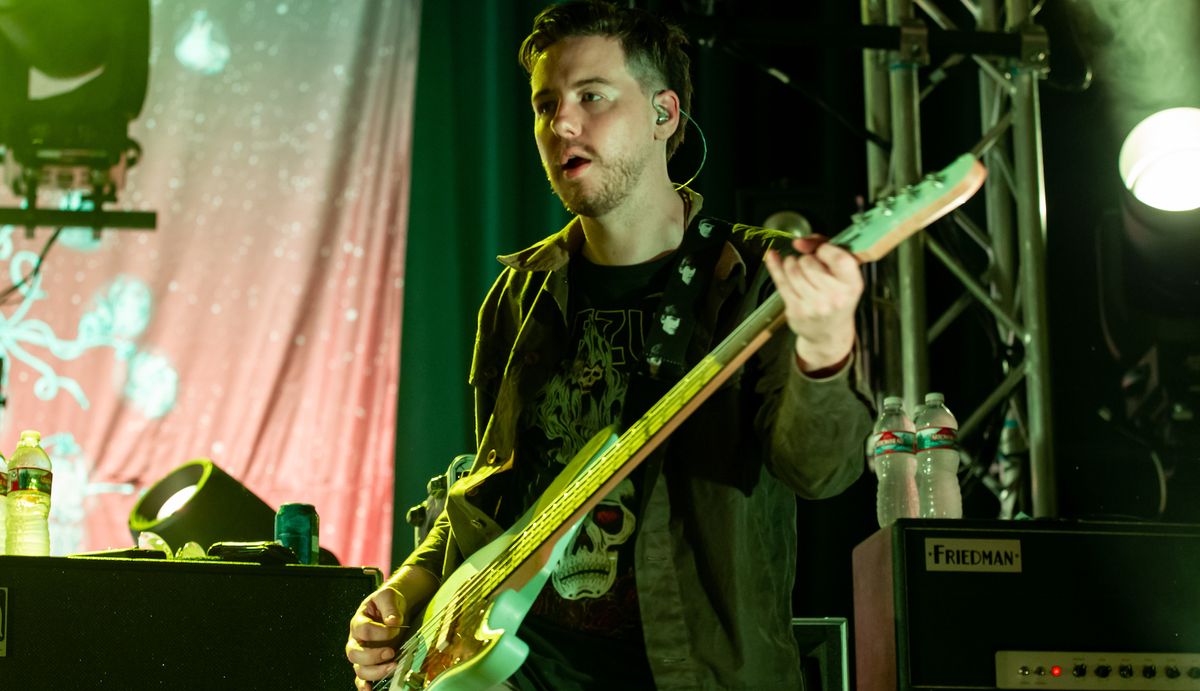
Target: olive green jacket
{"points": [[716, 545]]}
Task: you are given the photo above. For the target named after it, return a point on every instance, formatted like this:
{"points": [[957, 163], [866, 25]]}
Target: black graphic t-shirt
{"points": [[592, 591]]}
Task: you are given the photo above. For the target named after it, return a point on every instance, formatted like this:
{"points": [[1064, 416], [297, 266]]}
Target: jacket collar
{"points": [[555, 251]]}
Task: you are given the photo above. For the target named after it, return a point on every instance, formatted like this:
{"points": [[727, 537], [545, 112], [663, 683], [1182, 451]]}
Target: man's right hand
{"points": [[380, 625]]}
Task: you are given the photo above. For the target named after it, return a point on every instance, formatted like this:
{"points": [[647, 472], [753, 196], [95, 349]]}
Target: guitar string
{"points": [[487, 579]]}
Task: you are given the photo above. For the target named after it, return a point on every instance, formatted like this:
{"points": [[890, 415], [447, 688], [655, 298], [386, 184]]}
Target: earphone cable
{"points": [[704, 150]]}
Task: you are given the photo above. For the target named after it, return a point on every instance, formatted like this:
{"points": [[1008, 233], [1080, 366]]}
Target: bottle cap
{"points": [[934, 397], [891, 401], [30, 437]]}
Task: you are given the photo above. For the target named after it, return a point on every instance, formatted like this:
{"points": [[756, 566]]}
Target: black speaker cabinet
{"points": [[944, 604], [128, 624]]}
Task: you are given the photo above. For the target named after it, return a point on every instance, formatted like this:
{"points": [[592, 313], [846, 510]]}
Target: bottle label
{"points": [[36, 479], [894, 442], [937, 438]]}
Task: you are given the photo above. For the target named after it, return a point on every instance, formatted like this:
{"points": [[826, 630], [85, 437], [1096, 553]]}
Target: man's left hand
{"points": [[820, 288]]}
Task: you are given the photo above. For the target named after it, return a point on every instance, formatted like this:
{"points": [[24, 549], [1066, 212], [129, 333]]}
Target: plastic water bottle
{"points": [[29, 479], [892, 444], [3, 504], [937, 459]]}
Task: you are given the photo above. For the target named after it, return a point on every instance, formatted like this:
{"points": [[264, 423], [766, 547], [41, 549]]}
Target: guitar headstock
{"points": [[892, 220]]}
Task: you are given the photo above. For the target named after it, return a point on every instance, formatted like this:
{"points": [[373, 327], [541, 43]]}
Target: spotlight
{"points": [[1160, 160], [1160, 165], [74, 139], [198, 502], [1149, 279]]}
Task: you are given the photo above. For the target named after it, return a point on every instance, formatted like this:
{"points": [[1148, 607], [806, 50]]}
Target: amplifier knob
{"points": [[1080, 670], [1103, 671], [1171, 671], [1126, 671], [1149, 671], [1194, 672]]}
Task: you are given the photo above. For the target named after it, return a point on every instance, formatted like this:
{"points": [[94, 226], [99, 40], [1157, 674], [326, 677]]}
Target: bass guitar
{"points": [[467, 638]]}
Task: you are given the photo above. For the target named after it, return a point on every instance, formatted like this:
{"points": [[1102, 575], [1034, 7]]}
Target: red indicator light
{"points": [[1056, 671]]}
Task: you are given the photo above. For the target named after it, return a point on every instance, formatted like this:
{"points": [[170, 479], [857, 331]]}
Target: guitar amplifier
{"points": [[942, 604], [103, 623]]}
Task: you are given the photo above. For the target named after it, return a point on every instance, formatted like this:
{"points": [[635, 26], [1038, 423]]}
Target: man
{"points": [[682, 577]]}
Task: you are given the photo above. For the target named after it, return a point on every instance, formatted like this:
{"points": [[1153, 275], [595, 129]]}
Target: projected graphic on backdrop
{"points": [[115, 319]]}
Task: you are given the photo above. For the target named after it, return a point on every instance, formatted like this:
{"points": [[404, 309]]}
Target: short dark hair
{"points": [[654, 49]]}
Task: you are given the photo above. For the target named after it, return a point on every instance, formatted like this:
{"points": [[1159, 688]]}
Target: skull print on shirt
{"points": [[583, 398]]}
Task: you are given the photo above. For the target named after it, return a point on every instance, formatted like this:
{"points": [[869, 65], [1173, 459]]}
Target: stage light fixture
{"points": [[1159, 166], [198, 502], [76, 138], [1149, 278], [1160, 160]]}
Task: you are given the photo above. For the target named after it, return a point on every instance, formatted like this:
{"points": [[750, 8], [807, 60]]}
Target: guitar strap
{"points": [[674, 321], [670, 332]]}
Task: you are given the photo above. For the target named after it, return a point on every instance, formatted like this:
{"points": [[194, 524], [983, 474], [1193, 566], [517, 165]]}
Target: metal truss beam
{"points": [[1013, 289]]}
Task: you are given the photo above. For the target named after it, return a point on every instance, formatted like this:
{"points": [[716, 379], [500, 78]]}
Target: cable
{"points": [[37, 268], [1159, 472], [1162, 482], [857, 130], [703, 155]]}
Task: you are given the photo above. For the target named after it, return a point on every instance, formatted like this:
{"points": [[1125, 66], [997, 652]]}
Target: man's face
{"points": [[593, 124]]}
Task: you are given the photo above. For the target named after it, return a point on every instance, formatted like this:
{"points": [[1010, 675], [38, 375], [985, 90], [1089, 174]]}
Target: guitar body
{"points": [[469, 643], [478, 658]]}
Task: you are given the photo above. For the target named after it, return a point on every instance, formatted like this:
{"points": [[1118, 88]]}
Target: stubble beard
{"points": [[617, 179]]}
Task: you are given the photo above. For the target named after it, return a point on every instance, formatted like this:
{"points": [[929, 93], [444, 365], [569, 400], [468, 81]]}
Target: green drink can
{"points": [[297, 527]]}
